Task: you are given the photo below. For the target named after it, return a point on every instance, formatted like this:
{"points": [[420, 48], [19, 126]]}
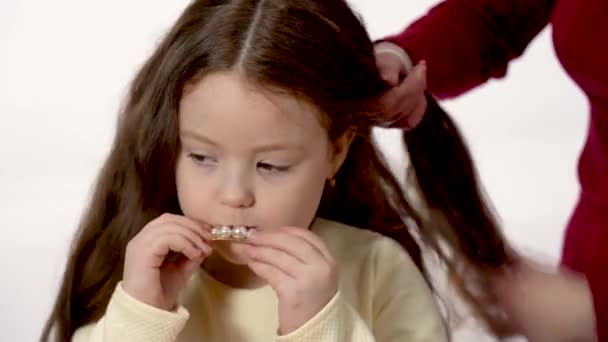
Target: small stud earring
{"points": [[332, 182]]}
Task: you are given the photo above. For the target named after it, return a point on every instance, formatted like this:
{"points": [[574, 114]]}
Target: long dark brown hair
{"points": [[319, 51]]}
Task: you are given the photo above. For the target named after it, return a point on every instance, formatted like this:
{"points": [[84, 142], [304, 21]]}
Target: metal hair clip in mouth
{"points": [[231, 233]]}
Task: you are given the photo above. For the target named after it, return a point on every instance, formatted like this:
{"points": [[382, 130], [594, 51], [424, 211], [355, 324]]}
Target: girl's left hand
{"points": [[299, 267]]}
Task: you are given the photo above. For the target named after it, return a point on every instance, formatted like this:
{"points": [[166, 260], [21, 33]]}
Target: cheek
{"points": [[191, 200], [296, 204]]}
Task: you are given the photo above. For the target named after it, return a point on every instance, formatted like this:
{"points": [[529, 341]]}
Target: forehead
{"points": [[225, 105]]}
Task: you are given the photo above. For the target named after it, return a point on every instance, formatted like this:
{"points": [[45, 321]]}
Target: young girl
{"points": [[257, 115]]}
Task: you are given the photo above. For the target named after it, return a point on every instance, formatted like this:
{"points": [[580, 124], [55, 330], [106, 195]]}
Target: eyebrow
{"points": [[261, 148], [196, 136]]}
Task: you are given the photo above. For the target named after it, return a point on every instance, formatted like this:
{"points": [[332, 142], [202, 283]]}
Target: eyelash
{"points": [[199, 158], [203, 159], [272, 168]]}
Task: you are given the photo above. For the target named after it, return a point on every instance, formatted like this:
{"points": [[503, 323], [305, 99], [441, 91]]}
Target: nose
{"points": [[237, 193]]}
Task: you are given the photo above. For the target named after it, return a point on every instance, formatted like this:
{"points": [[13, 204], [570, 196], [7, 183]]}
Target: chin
{"points": [[230, 251]]}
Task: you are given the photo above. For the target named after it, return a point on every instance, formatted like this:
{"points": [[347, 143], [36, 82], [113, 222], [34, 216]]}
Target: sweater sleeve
{"points": [[467, 42], [129, 320], [404, 309], [404, 306]]}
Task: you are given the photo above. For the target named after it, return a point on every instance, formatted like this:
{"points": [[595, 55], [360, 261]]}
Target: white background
{"points": [[64, 67]]}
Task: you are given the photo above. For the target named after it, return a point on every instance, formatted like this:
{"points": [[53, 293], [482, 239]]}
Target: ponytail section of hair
{"points": [[448, 182]]}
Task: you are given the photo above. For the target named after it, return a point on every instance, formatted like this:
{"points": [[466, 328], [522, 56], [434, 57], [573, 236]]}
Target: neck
{"points": [[233, 275]]}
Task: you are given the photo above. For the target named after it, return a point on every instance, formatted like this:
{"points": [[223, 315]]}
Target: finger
{"points": [[389, 73], [183, 261], [401, 101], [391, 78], [202, 229], [413, 85], [420, 70], [393, 101], [288, 243], [389, 66], [298, 242], [402, 123], [187, 232], [417, 114], [192, 264], [314, 240], [390, 105], [412, 113], [272, 275], [165, 243], [286, 262]]}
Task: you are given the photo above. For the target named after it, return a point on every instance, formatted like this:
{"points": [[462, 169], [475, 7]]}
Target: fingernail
{"points": [[389, 79], [421, 71], [394, 80]]}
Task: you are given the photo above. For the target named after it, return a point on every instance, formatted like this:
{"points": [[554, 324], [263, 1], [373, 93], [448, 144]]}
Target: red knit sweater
{"points": [[467, 42]]}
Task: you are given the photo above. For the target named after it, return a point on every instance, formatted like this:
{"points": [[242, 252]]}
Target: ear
{"points": [[340, 151]]}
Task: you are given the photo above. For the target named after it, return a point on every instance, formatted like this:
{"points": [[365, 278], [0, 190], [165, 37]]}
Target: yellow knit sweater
{"points": [[382, 297]]}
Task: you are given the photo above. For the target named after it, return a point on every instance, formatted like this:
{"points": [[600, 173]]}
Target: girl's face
{"points": [[250, 157]]}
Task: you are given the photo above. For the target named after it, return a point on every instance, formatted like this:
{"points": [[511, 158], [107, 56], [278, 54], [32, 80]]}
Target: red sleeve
{"points": [[466, 42]]}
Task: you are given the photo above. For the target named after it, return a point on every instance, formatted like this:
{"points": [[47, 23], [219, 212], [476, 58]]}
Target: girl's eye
{"points": [[266, 167], [201, 158]]}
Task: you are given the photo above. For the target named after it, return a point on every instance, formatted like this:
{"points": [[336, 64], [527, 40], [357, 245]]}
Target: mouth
{"points": [[231, 232]]}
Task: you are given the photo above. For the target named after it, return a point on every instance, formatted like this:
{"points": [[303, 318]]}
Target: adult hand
{"points": [[547, 305], [405, 103]]}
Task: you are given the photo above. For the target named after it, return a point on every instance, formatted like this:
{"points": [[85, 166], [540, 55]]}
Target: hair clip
{"points": [[230, 233]]}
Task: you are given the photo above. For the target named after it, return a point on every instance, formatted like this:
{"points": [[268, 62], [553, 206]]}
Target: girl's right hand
{"points": [[148, 276]]}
